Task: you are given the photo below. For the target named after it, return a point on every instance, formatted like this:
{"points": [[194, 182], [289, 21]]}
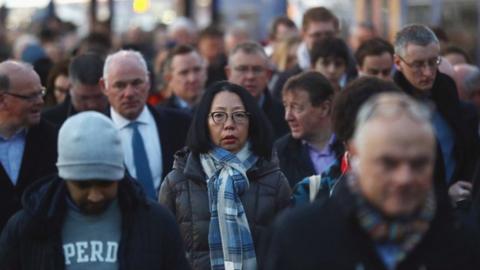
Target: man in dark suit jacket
{"points": [[85, 94], [28, 145], [185, 74], [146, 133], [248, 66], [311, 147]]}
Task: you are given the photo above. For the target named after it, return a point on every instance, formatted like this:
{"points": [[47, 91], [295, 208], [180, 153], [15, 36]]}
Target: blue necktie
{"points": [[140, 159]]}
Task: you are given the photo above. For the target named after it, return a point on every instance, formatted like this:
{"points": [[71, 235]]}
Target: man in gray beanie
{"points": [[91, 215]]}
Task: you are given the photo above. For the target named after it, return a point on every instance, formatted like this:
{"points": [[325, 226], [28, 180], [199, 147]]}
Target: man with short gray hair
{"points": [[384, 213], [149, 137], [417, 57]]}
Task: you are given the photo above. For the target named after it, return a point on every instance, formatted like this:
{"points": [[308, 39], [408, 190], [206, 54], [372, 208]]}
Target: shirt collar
{"points": [[327, 150], [181, 102], [20, 134], [122, 122]]}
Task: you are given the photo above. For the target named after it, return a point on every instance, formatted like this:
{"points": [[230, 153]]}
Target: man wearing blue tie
{"points": [[149, 137]]}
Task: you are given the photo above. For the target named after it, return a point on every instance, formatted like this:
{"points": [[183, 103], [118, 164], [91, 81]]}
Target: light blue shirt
{"points": [[11, 154], [182, 103], [388, 254]]}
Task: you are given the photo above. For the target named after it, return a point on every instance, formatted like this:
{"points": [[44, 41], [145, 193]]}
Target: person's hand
{"points": [[460, 191]]}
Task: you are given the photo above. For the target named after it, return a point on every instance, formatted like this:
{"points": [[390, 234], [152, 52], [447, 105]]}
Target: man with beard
{"points": [[92, 215]]}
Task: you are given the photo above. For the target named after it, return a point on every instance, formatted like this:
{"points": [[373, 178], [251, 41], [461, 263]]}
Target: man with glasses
{"points": [[384, 214], [417, 57], [149, 137], [28, 144], [85, 93], [248, 66]]}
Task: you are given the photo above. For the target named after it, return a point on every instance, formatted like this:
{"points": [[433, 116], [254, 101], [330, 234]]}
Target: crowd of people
{"points": [[204, 149]]}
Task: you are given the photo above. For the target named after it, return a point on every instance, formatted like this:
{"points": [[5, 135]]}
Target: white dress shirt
{"points": [[148, 129]]}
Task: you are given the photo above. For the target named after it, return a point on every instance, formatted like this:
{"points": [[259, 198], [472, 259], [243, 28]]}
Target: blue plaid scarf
{"points": [[230, 242], [406, 232]]}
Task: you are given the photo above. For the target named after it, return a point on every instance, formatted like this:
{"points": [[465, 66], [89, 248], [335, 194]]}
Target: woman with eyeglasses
{"points": [[225, 187]]}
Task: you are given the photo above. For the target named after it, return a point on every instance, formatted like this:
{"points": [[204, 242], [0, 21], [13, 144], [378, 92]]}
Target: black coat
{"points": [[172, 126], [326, 235], [294, 159], [39, 159], [32, 239], [275, 112], [60, 112], [184, 192], [169, 103], [456, 113]]}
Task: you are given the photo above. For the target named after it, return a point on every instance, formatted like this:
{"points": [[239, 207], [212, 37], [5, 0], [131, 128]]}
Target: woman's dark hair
{"points": [[348, 102], [259, 129]]}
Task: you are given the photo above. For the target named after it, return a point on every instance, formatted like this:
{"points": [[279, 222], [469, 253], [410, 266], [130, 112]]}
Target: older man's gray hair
{"points": [[248, 47], [121, 54], [413, 34], [390, 106]]}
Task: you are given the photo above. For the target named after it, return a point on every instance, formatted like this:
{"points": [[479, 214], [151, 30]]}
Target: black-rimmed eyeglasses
{"points": [[419, 65], [29, 98], [239, 117]]}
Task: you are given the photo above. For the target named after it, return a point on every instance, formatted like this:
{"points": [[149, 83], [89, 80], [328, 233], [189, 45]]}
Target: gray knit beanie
{"points": [[90, 148]]}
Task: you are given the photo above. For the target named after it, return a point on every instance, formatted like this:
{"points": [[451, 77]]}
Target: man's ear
{"points": [[326, 108], [269, 73], [103, 85], [397, 61]]}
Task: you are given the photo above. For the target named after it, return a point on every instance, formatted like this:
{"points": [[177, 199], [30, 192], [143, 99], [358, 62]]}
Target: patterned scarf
{"points": [[229, 238], [406, 233]]}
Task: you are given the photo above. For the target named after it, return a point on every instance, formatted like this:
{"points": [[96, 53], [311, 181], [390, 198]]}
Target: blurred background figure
{"points": [[375, 58], [455, 55], [211, 46], [58, 84], [282, 28], [284, 55], [182, 31], [359, 33], [467, 78], [236, 34]]}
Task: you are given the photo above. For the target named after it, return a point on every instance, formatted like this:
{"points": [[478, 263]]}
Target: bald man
{"points": [[28, 145]]}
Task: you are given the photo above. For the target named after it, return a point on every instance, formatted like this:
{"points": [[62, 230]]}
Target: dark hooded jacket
{"points": [[32, 238], [184, 192]]}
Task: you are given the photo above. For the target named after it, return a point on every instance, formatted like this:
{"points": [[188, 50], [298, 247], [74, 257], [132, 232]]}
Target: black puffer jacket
{"points": [[32, 238], [184, 192]]}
